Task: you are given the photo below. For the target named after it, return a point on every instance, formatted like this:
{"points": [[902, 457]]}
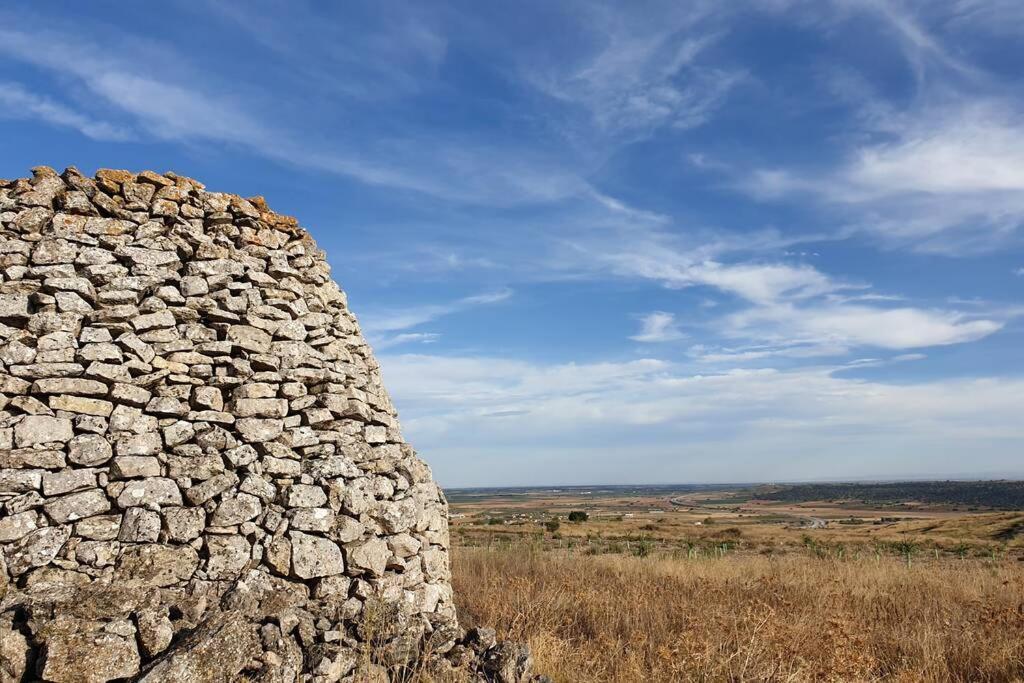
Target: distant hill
{"points": [[1000, 495]]}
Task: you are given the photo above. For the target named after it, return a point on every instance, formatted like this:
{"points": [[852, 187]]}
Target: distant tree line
{"points": [[1001, 495]]}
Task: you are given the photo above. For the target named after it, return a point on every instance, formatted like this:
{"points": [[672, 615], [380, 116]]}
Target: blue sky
{"points": [[634, 242]]}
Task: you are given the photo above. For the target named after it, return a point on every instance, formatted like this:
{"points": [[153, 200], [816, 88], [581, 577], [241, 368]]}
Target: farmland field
{"points": [[700, 583]]}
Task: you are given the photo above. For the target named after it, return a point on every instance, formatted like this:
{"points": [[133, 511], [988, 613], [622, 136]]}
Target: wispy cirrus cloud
{"points": [[990, 16], [164, 108], [163, 95], [391, 53], [947, 179], [391, 320], [781, 307], [827, 328], [954, 150], [387, 342], [19, 103], [658, 326], [922, 49], [938, 171], [641, 70], [858, 325], [638, 245], [791, 309]]}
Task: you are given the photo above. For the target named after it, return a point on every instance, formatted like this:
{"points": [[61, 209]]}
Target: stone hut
{"points": [[202, 477]]}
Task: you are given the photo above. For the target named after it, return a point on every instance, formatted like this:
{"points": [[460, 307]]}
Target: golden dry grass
{"points": [[749, 617]]}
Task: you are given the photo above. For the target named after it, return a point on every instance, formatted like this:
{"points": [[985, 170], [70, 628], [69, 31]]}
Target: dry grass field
{"points": [[749, 617], [701, 522], [722, 586]]}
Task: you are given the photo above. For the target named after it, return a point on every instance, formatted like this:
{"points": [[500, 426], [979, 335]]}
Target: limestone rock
{"points": [[183, 524], [236, 509], [149, 492], [155, 630], [249, 338], [369, 557], [256, 430], [82, 405], [79, 651], [35, 549], [320, 520], [228, 555], [134, 467], [89, 450], [14, 650], [313, 556], [39, 429], [68, 480], [306, 496], [215, 653], [508, 663], [139, 526], [76, 506], [99, 527], [157, 565], [17, 526]]}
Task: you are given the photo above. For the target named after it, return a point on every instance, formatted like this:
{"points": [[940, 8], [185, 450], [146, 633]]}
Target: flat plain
{"points": [[912, 582]]}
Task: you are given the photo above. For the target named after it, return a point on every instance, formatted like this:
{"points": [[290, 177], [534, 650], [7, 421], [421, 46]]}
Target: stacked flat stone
{"points": [[201, 474]]}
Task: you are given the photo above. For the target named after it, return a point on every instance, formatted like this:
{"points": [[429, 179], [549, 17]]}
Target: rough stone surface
{"points": [[313, 556], [82, 651], [202, 477]]}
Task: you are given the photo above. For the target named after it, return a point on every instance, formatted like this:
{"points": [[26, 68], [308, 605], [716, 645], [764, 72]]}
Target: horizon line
{"points": [[780, 482]]}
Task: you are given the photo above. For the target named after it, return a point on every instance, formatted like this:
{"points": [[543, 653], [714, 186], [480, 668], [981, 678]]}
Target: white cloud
{"points": [[764, 283], [967, 151], [640, 70], [169, 98], [17, 102], [858, 325], [705, 163], [958, 150], [650, 420], [658, 327], [166, 109], [405, 338], [486, 298], [392, 320], [639, 245], [790, 309], [938, 170], [786, 308], [947, 178], [797, 349]]}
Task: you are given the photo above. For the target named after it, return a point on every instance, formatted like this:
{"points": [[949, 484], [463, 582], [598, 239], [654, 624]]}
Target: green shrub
{"points": [[578, 516], [643, 547]]}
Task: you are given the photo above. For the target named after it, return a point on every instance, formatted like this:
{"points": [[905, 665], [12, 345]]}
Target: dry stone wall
{"points": [[201, 475]]}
